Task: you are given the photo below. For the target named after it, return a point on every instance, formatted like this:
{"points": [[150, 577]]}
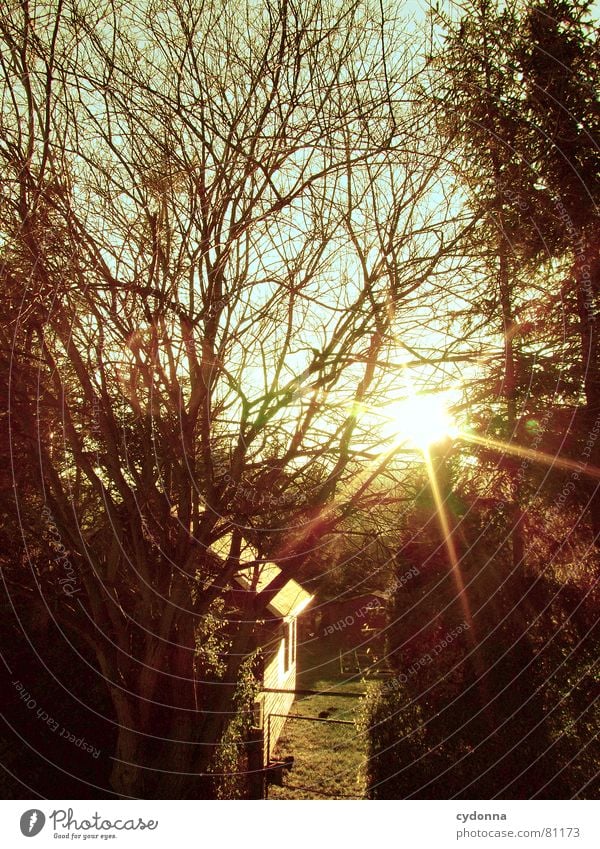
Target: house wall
{"points": [[276, 677]]}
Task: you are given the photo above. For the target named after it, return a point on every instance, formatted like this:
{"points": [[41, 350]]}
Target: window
{"points": [[293, 641], [289, 645]]}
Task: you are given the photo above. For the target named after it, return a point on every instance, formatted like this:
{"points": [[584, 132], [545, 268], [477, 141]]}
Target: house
{"points": [[277, 601]]}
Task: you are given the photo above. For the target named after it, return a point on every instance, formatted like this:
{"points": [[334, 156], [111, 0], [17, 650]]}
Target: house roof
{"points": [[281, 597], [258, 576], [288, 598]]}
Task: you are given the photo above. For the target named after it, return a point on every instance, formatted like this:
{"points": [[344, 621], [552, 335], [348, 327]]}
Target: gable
{"points": [[287, 598]]}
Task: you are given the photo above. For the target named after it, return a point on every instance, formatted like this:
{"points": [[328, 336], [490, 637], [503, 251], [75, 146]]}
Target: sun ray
{"points": [[473, 657], [448, 537], [530, 454]]}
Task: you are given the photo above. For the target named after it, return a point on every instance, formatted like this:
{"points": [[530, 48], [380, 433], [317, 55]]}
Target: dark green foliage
{"points": [[230, 765], [523, 729]]}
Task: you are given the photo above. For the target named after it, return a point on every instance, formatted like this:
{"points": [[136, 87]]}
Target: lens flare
{"points": [[420, 420]]}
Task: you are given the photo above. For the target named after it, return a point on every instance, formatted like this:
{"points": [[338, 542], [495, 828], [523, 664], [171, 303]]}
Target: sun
{"points": [[420, 420]]}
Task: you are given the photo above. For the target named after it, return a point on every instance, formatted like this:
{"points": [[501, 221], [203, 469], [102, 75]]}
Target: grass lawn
{"points": [[328, 757]]}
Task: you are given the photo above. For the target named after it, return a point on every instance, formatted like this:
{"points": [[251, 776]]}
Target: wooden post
{"points": [[256, 763]]}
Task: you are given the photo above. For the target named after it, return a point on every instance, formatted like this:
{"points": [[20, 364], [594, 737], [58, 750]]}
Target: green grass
{"points": [[328, 757]]}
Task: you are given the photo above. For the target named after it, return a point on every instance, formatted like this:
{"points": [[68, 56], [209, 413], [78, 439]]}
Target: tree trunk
{"points": [[168, 752], [127, 778], [155, 752]]}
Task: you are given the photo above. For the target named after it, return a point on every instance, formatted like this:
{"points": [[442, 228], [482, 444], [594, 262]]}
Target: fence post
{"points": [[256, 763]]}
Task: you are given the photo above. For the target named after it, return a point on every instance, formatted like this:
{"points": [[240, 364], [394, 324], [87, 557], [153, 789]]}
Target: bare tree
{"points": [[214, 220]]}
